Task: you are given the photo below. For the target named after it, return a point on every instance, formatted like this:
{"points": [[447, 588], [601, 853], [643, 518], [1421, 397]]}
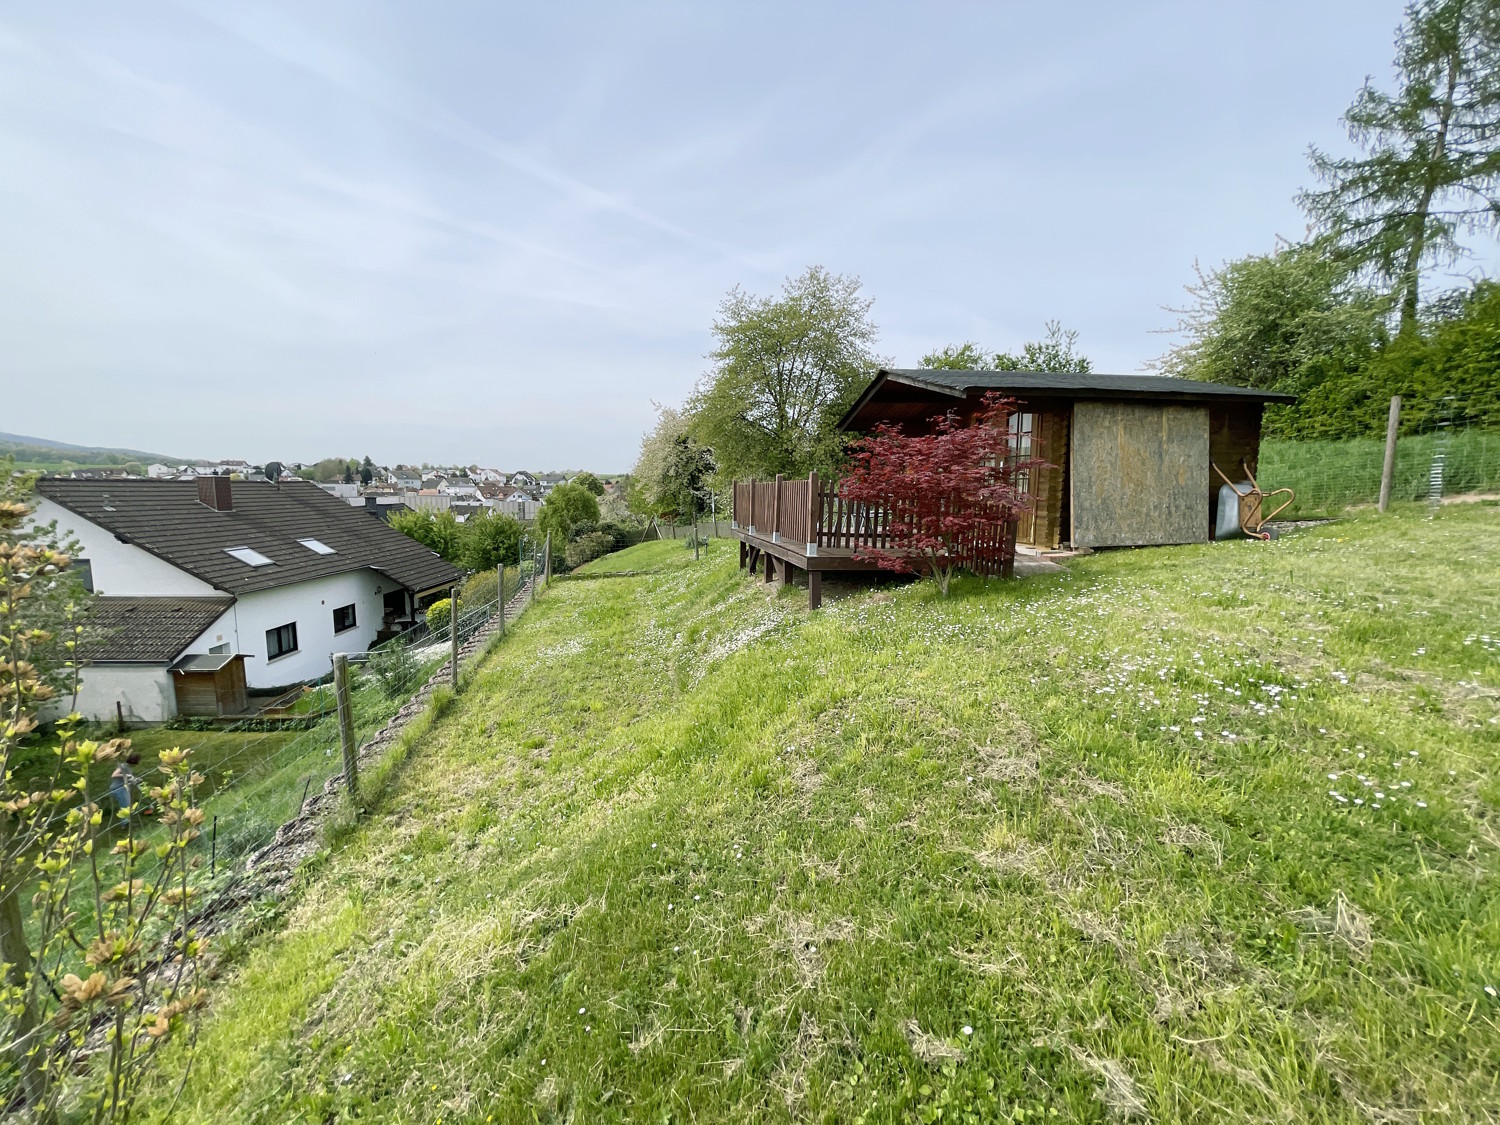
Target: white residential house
{"points": [[209, 588], [523, 479], [486, 476]]}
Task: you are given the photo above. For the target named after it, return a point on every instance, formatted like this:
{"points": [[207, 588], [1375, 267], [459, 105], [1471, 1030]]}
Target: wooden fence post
{"points": [[814, 513], [1388, 471], [346, 721], [776, 510], [750, 484], [453, 632]]}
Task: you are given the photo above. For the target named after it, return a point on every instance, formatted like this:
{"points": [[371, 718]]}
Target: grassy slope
{"points": [[686, 852]]}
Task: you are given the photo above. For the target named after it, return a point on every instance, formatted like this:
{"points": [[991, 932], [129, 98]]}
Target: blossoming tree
{"points": [[952, 496]]}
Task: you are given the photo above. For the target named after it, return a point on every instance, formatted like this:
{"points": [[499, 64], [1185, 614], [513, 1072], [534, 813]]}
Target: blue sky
{"points": [[497, 233]]}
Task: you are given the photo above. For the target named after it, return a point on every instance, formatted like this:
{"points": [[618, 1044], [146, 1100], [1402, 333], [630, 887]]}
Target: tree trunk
{"points": [[1411, 270], [15, 953]]}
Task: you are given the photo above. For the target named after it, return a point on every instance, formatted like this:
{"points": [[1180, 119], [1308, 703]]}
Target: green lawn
{"points": [[1198, 833]]}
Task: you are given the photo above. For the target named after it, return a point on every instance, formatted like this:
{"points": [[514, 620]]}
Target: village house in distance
{"points": [[211, 587]]}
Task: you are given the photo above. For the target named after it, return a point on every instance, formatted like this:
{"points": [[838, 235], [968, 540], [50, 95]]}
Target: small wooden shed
{"points": [[1129, 458], [210, 684]]}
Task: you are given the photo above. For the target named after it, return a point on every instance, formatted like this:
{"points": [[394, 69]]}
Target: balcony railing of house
{"points": [[808, 518]]}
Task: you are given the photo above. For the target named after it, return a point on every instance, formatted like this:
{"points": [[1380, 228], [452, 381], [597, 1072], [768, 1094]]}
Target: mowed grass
{"points": [[1196, 833]]}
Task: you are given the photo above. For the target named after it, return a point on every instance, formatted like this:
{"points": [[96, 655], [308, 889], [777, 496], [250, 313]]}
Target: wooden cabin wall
{"points": [[1233, 436]]}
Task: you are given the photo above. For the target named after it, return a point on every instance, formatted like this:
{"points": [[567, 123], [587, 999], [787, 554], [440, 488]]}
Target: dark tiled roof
{"points": [[1082, 385], [1061, 385], [166, 518], [147, 630]]}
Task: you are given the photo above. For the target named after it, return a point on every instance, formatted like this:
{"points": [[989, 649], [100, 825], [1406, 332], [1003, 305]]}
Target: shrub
{"points": [[395, 668], [481, 588], [438, 614], [589, 547]]}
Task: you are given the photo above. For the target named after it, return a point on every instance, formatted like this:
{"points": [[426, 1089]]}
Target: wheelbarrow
{"points": [[1250, 504]]}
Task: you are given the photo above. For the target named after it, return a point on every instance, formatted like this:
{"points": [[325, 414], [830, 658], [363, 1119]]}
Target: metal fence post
{"points": [[547, 554], [534, 558], [500, 585], [453, 630], [346, 721], [1388, 472]]}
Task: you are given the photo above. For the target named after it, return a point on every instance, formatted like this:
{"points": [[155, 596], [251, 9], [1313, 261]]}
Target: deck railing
{"points": [[807, 514]]}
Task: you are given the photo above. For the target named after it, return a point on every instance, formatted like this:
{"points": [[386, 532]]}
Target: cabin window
{"points": [[281, 640], [1022, 427], [343, 618]]}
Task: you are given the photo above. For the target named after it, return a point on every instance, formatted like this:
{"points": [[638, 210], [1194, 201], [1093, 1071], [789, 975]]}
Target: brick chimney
{"points": [[214, 491]]}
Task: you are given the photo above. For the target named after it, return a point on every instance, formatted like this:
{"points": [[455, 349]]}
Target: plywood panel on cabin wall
{"points": [[1137, 474]]}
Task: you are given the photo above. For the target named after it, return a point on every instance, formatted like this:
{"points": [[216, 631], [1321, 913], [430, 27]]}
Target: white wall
{"points": [[144, 691], [310, 605], [121, 569]]}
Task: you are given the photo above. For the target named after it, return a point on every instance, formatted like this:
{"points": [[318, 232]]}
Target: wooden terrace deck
{"points": [[791, 524]]}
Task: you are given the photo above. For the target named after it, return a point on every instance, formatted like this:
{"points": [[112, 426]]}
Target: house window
{"points": [[219, 650], [281, 640], [85, 572], [343, 618], [248, 555]]}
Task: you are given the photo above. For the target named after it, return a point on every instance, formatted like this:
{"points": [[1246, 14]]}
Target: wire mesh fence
{"points": [[1331, 476], [259, 772]]}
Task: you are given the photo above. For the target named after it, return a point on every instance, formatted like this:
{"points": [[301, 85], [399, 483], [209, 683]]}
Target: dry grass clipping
{"points": [[1343, 922], [1118, 1090], [929, 1048]]}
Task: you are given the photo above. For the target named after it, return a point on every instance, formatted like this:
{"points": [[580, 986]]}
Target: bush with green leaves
{"points": [[566, 506], [438, 614], [588, 547], [395, 668], [481, 587]]}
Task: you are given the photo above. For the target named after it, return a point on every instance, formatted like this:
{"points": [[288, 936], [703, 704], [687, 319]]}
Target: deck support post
{"points": [[814, 589], [744, 554], [770, 567]]}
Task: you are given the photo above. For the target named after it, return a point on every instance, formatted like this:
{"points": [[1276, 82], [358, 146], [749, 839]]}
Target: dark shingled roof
{"points": [[1061, 385], [166, 518], [147, 630]]}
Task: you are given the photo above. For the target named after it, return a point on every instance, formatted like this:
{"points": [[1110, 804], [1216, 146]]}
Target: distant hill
{"points": [[45, 451]]}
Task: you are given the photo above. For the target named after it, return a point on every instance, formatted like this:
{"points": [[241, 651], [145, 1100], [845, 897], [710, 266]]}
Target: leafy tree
{"points": [[1431, 164], [489, 539], [366, 470], [1288, 321], [590, 482], [784, 369], [686, 476], [566, 506], [1056, 352], [53, 838], [438, 530], [949, 493], [967, 356]]}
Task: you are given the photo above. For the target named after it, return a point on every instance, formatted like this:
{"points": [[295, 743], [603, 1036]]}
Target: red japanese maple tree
{"points": [[950, 499]]}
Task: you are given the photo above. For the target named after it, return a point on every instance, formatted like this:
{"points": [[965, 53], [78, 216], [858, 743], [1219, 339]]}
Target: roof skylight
{"points": [[248, 555], [317, 546]]}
